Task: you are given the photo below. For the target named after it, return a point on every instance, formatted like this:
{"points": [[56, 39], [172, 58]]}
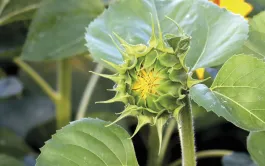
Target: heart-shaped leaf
{"points": [[237, 93], [216, 33], [64, 21], [88, 142], [256, 146]]}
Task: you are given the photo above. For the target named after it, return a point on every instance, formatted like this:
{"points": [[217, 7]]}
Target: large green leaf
{"points": [[216, 33], [57, 30], [88, 142], [256, 147], [16, 10], [237, 93], [9, 161]]}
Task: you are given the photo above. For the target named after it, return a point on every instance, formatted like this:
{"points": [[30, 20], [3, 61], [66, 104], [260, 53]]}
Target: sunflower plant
{"points": [[153, 48]]}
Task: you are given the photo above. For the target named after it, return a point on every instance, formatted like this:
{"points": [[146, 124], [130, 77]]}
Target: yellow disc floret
{"points": [[146, 83]]}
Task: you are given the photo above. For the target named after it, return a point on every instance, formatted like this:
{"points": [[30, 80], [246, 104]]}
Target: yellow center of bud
{"points": [[146, 83]]}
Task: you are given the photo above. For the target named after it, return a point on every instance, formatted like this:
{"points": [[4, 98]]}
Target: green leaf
{"points": [[256, 42], [237, 159], [16, 10], [258, 23], [57, 30], [12, 39], [12, 145], [217, 36], [88, 142], [256, 146], [237, 93], [8, 161], [216, 33]]}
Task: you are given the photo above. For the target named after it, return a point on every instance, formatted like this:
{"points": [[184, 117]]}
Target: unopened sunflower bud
{"points": [[152, 80]]}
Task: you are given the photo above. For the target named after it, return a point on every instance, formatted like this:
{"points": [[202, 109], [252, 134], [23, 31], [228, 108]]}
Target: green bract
{"points": [[154, 58]]}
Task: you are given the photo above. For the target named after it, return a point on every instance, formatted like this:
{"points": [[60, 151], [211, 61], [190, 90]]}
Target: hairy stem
{"points": [[63, 104], [186, 134], [92, 82], [153, 147], [37, 78], [166, 139], [206, 154]]}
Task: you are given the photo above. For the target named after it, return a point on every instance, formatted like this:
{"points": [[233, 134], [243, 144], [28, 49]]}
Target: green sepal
{"points": [[169, 87], [142, 120], [167, 101], [178, 75], [117, 98], [136, 50], [115, 78], [129, 111], [173, 41], [160, 122], [191, 81], [177, 111], [184, 44], [168, 60], [150, 58]]}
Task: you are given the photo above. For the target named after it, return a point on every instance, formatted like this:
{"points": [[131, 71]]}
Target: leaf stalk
{"points": [[186, 134]]}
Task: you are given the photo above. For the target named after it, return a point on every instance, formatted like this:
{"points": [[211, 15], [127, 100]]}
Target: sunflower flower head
{"points": [[152, 80]]}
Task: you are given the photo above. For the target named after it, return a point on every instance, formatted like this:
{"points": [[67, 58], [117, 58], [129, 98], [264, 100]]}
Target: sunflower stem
{"points": [[88, 92], [153, 147], [63, 103], [186, 134]]}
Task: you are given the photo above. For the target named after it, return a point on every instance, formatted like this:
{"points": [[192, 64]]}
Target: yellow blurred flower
{"points": [[236, 6]]}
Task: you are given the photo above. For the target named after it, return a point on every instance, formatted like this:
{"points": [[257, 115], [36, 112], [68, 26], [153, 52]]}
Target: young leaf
{"points": [[256, 146], [61, 20], [88, 142], [237, 93], [216, 33]]}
